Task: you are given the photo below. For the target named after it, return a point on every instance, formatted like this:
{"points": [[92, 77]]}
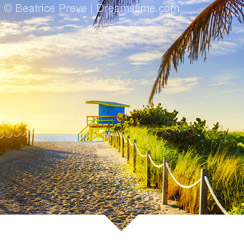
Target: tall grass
{"points": [[12, 136], [9, 129], [226, 173]]}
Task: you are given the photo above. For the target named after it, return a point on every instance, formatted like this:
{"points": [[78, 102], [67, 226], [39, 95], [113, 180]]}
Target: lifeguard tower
{"points": [[109, 114]]}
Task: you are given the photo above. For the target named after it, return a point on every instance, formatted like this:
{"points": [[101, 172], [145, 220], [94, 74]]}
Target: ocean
{"points": [[56, 137]]}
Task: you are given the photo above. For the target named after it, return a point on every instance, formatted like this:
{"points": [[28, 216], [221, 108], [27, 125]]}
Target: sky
{"points": [[52, 60]]}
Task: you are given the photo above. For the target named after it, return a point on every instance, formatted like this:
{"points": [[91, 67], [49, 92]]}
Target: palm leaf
{"points": [[211, 24], [109, 10]]}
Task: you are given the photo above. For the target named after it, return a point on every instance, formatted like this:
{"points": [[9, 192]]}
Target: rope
{"points": [[130, 142], [139, 152], [215, 198], [177, 182], [1, 137], [157, 166], [125, 140], [9, 136]]}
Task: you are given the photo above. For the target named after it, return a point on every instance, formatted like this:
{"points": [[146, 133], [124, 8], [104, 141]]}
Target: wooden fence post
{"points": [[165, 182], [148, 169], [21, 140], [123, 145], [28, 137], [134, 155], [33, 133], [12, 142], [203, 193], [17, 145], [114, 139], [118, 142], [128, 149], [4, 142]]}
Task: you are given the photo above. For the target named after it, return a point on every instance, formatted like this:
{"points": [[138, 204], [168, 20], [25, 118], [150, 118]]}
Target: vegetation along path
{"points": [[74, 178]]}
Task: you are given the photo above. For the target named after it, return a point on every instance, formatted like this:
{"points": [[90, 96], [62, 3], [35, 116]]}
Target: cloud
{"points": [[37, 21], [144, 58], [233, 90], [62, 85], [11, 28], [20, 58], [84, 41], [188, 2], [220, 83], [177, 85], [25, 78], [69, 71], [225, 79], [223, 47]]}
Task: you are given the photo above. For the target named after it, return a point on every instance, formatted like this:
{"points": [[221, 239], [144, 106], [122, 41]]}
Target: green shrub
{"points": [[151, 116], [182, 135]]}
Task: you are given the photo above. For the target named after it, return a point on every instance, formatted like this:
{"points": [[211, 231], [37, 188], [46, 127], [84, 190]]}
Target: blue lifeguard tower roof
{"points": [[105, 103]]}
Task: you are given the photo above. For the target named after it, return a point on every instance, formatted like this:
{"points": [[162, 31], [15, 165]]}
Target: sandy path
{"points": [[73, 178]]}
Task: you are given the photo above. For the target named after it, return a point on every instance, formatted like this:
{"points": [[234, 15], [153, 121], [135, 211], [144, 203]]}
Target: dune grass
{"points": [[9, 129], [225, 172]]}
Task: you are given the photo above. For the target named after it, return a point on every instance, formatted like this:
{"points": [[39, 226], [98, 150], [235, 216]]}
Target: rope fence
{"points": [[214, 197], [178, 183], [144, 156], [10, 142], [155, 165], [123, 144]]}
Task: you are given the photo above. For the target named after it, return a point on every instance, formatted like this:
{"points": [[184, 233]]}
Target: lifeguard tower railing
{"points": [[96, 128]]}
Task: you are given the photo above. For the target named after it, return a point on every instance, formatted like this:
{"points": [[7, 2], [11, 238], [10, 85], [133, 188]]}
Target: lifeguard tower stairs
{"points": [[97, 127]]}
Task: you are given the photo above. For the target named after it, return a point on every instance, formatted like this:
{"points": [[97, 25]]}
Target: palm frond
{"points": [[109, 10], [211, 24]]}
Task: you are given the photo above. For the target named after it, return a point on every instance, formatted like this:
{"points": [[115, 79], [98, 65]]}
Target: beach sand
{"points": [[74, 178]]}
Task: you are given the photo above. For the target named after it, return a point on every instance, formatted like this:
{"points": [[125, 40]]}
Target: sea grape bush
{"points": [[196, 136], [152, 116], [181, 134]]}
